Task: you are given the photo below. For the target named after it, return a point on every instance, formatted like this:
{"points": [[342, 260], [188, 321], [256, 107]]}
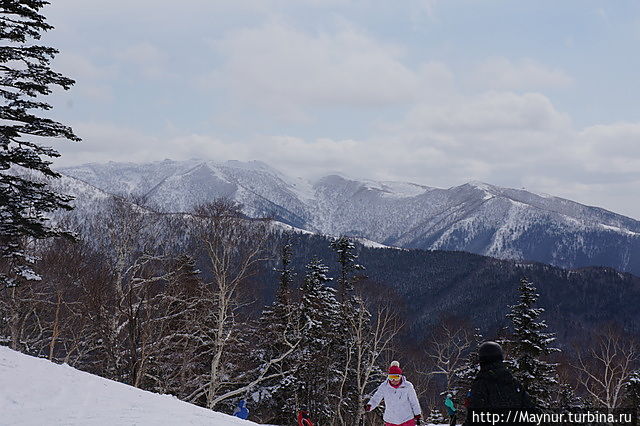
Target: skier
{"points": [[495, 390], [303, 418], [467, 399], [401, 402], [448, 402], [241, 410]]}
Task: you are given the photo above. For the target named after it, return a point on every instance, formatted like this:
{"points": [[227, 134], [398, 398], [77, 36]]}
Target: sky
{"points": [[541, 95]]}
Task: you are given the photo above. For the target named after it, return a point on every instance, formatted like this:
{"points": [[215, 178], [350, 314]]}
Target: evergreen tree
{"points": [[286, 273], [346, 252], [567, 400], [632, 392], [529, 345], [435, 417], [25, 76], [317, 373], [277, 335], [350, 341]]}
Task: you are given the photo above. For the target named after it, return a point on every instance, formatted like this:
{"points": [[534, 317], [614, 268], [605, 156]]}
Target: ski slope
{"points": [[35, 392]]}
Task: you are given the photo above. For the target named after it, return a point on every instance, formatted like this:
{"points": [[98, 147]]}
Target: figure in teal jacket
{"points": [[448, 402]]}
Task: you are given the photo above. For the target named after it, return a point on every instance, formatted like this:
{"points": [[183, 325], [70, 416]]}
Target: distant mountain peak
{"points": [[481, 185], [250, 165], [477, 217]]}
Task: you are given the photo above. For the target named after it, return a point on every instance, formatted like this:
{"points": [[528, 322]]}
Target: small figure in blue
{"points": [[241, 410], [451, 409]]}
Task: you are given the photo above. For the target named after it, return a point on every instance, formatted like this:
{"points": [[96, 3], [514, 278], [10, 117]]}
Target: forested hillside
{"points": [[213, 306]]}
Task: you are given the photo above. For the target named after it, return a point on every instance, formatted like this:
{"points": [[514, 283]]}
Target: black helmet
{"points": [[489, 352]]}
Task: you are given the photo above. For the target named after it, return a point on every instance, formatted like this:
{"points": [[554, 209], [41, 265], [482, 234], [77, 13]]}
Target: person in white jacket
{"points": [[401, 406]]}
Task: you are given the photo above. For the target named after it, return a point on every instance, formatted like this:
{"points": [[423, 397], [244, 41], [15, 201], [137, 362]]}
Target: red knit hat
{"points": [[395, 368]]}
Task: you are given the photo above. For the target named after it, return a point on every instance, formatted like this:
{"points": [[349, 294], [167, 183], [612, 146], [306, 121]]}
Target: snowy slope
{"points": [[475, 217], [36, 392]]}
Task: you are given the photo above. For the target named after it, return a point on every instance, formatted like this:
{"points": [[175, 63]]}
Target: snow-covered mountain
{"points": [[475, 217], [35, 392]]}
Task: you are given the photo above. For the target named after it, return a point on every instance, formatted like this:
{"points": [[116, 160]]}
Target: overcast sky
{"points": [[540, 94]]}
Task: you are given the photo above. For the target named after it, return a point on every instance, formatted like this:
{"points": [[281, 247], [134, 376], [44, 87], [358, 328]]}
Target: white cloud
{"points": [[278, 67], [105, 142], [307, 62], [489, 113], [612, 149], [109, 142], [476, 138], [500, 73], [619, 197], [597, 165], [620, 139]]}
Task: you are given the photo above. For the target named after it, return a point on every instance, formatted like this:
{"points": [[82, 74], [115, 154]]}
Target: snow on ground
{"points": [[35, 392]]}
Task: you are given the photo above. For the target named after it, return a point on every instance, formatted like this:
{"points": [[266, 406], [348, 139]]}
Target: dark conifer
{"points": [[318, 370], [278, 337], [529, 345], [346, 252], [632, 392], [353, 313], [26, 76]]}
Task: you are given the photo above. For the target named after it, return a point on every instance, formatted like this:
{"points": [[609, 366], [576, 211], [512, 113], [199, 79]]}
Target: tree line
{"points": [[125, 305], [171, 303]]}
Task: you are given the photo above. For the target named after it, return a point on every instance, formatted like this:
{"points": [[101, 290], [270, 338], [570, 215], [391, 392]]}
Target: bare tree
{"points": [[22, 309], [129, 235], [63, 265], [177, 315], [605, 365], [18, 299], [234, 247], [51, 318], [371, 339], [448, 348]]}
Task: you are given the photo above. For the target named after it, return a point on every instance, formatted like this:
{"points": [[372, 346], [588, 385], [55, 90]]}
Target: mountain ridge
{"points": [[477, 217]]}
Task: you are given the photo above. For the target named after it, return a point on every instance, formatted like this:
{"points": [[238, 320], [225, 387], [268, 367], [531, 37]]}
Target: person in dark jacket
{"points": [[495, 390]]}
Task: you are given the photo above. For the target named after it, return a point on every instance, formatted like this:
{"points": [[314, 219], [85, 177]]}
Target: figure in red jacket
{"points": [[303, 418]]}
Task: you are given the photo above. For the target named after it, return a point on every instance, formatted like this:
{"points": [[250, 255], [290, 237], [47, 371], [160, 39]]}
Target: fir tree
{"points": [[25, 75], [277, 335], [286, 273], [319, 316], [567, 400], [354, 314], [632, 392], [529, 345], [345, 250], [435, 417]]}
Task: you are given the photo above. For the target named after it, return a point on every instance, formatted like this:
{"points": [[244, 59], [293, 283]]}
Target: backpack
{"points": [[498, 389]]}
